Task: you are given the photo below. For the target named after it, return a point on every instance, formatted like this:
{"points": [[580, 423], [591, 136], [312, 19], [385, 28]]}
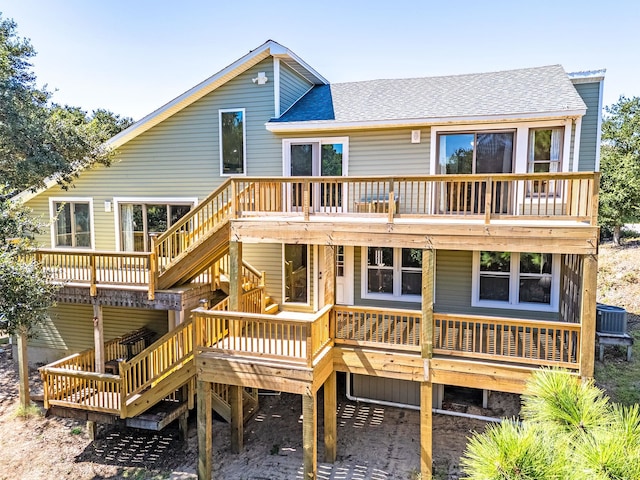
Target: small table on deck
{"points": [[603, 339]]}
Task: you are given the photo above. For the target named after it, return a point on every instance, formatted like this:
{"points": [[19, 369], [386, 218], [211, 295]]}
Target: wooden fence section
{"points": [[295, 340], [508, 340], [389, 328], [562, 196]]}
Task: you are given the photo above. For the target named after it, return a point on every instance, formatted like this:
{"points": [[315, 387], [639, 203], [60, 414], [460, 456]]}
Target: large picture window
{"points": [[392, 273], [516, 280], [72, 227], [232, 142]]}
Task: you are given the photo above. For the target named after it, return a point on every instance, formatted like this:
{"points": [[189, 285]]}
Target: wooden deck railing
{"points": [[295, 340], [388, 328], [508, 340], [569, 196]]}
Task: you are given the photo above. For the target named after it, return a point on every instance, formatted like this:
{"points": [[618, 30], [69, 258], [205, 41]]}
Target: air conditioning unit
{"points": [[610, 319]]}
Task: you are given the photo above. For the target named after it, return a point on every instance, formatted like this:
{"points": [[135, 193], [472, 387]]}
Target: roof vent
{"points": [[610, 319]]}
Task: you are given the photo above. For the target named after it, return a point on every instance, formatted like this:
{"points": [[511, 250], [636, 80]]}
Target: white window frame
{"points": [[514, 284], [286, 152], [244, 141], [117, 201], [284, 278], [397, 279], [53, 212]]}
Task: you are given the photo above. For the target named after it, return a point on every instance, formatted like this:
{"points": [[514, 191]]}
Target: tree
{"points": [[26, 292], [40, 139], [570, 430], [620, 166]]}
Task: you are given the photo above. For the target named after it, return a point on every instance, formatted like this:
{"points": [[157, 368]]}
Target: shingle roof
{"points": [[527, 91]]}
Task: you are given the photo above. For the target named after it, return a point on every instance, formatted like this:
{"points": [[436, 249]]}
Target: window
{"points": [[392, 273], [545, 156], [478, 152], [232, 142], [296, 273], [72, 227], [139, 221], [516, 280]]}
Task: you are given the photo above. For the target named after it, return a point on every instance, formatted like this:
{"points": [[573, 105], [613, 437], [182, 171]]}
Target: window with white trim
{"points": [[72, 226], [392, 273], [232, 142], [545, 156], [516, 280], [296, 273], [139, 221]]}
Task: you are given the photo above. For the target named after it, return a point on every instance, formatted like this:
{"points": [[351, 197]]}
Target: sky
{"points": [[132, 57]]}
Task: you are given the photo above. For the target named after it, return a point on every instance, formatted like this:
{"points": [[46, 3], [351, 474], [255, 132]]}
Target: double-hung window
{"points": [[516, 280], [232, 141], [392, 273], [545, 156], [72, 226]]}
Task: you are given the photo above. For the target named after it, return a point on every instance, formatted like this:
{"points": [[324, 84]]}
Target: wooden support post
{"points": [[237, 420], [235, 276], [488, 197], [595, 198], [426, 388], [426, 430], [98, 336], [205, 439], [183, 426], [263, 293], [392, 200], [23, 371], [428, 275], [309, 435], [330, 418], [306, 199], [588, 315], [92, 430], [93, 288]]}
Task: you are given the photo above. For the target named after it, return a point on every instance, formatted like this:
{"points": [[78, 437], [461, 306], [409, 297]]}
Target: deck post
{"points": [[309, 435], [237, 421], [426, 430], [426, 387], [205, 440], [98, 335], [330, 418], [588, 315]]}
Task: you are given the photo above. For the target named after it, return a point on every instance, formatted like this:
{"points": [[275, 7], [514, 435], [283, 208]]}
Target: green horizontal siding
{"points": [[70, 327], [386, 389], [267, 257], [292, 87], [590, 93], [180, 156]]}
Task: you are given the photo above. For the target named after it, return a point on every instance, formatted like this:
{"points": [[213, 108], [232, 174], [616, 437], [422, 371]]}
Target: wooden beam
{"points": [[588, 315], [98, 336], [235, 276], [330, 419], [309, 435], [403, 366], [237, 421], [426, 430], [205, 440], [428, 275]]}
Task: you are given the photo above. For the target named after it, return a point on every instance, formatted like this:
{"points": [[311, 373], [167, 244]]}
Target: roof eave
{"points": [[325, 125]]}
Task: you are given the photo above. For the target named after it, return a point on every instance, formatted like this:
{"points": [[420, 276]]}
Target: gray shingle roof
{"points": [[527, 91]]}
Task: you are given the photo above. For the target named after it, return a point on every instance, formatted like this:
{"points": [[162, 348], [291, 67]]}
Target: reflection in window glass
{"points": [[138, 222], [380, 270], [296, 273], [232, 142], [73, 224]]}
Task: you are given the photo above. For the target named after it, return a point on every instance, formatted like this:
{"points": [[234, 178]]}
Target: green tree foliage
{"points": [[570, 431], [620, 166], [39, 139]]}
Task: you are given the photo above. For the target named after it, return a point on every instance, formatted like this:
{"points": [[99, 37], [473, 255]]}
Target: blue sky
{"points": [[132, 57]]}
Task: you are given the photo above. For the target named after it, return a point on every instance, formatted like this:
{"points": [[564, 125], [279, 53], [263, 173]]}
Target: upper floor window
{"points": [[72, 227], [139, 221], [476, 152], [232, 142], [392, 272], [516, 280], [545, 156]]}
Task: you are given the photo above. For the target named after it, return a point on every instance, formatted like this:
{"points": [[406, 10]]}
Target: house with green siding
{"points": [[268, 229]]}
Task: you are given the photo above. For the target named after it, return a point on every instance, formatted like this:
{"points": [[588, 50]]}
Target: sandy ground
{"points": [[374, 442]]}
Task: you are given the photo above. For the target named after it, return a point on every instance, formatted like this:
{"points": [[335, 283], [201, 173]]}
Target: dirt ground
{"points": [[374, 442]]}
